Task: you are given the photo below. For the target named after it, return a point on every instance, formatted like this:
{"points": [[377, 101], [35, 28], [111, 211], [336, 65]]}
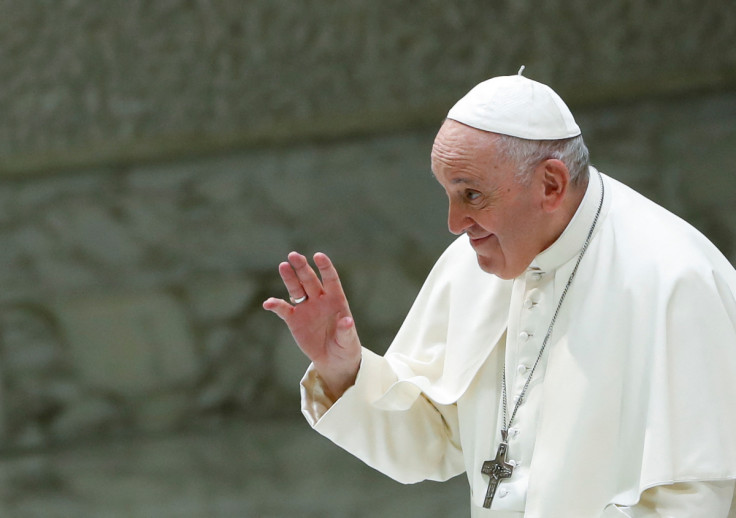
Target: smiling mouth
{"points": [[479, 240]]}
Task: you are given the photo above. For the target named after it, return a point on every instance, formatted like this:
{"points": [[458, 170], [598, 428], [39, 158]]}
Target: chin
{"points": [[491, 267], [500, 271]]}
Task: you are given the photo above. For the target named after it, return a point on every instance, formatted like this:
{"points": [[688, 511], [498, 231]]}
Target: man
{"points": [[573, 351]]}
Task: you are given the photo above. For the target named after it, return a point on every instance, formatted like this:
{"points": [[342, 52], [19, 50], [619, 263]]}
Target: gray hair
{"points": [[526, 154]]}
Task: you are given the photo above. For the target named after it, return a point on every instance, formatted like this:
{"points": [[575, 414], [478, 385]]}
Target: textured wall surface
{"points": [[141, 287], [158, 159], [237, 471], [88, 82]]}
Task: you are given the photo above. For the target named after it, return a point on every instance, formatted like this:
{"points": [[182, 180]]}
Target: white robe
{"points": [[638, 389]]}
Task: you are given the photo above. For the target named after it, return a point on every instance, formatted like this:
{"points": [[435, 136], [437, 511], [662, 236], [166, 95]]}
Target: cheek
{"points": [[488, 219], [502, 224], [509, 233]]}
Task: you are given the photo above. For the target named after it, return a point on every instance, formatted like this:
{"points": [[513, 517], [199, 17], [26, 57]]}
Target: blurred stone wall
{"points": [[158, 159], [100, 81]]}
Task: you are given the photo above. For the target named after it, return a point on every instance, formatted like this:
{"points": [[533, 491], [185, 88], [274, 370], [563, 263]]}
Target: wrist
{"points": [[338, 380]]}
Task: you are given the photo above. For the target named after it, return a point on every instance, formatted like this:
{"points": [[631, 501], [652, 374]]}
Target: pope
{"points": [[573, 351]]}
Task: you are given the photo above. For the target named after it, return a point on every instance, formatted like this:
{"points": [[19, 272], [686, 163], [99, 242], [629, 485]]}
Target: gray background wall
{"points": [[158, 159]]}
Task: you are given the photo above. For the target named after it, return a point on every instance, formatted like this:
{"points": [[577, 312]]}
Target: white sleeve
{"points": [[699, 499], [409, 446]]}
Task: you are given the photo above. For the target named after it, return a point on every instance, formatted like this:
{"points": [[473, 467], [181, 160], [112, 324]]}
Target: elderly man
{"points": [[573, 351]]}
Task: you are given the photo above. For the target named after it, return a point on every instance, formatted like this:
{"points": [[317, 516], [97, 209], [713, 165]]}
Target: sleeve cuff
{"points": [[315, 399]]}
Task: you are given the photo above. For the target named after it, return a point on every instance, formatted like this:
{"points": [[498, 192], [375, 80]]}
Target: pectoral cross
{"points": [[497, 469]]}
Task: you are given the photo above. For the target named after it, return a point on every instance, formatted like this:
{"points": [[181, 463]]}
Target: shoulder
{"points": [[650, 240], [650, 261]]}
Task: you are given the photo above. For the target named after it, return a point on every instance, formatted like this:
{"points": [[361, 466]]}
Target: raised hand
{"points": [[321, 323]]}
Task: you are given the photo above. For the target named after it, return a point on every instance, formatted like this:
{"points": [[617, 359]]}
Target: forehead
{"points": [[462, 154], [456, 136]]}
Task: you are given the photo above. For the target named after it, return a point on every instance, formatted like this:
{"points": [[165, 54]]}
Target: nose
{"points": [[458, 220]]}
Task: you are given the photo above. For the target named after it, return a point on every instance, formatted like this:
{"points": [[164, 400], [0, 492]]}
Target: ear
{"points": [[555, 182]]}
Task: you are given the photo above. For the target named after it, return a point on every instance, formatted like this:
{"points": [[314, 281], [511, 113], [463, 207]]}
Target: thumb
{"points": [[345, 334]]}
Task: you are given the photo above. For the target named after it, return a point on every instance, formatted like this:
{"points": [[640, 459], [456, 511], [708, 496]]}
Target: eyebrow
{"points": [[462, 180]]}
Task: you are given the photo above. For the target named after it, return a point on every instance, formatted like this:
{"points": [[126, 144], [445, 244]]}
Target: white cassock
{"points": [[632, 410]]}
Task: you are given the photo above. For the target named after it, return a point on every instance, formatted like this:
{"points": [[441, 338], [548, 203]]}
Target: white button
{"points": [[513, 463], [502, 493], [513, 432], [528, 303], [524, 336], [537, 275], [521, 369]]}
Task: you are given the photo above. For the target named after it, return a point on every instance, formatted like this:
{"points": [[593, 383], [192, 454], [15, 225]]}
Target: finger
{"points": [[291, 281], [308, 279], [330, 278], [280, 307]]}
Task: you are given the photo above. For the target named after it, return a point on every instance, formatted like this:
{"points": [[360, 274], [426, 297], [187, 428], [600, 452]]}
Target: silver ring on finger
{"points": [[299, 300]]}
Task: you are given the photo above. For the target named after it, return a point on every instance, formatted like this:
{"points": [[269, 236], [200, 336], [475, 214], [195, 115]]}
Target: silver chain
{"points": [[507, 425]]}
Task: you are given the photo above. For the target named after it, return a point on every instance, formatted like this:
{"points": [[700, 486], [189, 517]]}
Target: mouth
{"points": [[477, 241]]}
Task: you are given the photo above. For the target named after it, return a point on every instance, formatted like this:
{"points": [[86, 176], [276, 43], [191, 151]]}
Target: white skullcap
{"points": [[516, 106]]}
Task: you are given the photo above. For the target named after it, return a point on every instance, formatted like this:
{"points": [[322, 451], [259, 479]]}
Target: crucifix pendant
{"points": [[497, 469]]}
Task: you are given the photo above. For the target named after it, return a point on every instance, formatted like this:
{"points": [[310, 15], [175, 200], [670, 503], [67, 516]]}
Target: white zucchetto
{"points": [[516, 106]]}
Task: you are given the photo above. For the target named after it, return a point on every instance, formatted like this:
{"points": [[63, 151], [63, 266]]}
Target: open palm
{"points": [[321, 324]]}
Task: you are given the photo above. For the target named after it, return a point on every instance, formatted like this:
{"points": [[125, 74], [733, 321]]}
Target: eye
{"points": [[472, 195]]}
